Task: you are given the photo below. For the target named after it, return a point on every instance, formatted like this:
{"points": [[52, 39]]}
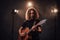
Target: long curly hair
{"points": [[27, 15]]}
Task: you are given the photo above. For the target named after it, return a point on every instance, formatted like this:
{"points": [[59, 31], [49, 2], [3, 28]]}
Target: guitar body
{"points": [[26, 36], [23, 37]]}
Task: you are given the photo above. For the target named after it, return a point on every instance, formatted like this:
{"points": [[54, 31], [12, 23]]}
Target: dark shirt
{"points": [[30, 23]]}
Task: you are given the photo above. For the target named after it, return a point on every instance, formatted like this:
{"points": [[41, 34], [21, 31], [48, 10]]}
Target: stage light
{"points": [[29, 4], [16, 11], [54, 10]]}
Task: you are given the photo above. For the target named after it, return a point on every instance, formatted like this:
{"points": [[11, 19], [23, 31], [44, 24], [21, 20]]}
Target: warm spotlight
{"points": [[16, 11], [29, 4], [55, 10]]}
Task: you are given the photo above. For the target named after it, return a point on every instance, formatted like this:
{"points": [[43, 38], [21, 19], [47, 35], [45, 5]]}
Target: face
{"points": [[32, 13]]}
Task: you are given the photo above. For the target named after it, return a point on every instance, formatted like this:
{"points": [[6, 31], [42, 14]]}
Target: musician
{"points": [[32, 18]]}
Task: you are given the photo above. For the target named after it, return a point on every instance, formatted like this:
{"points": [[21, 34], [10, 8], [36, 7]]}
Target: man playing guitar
{"points": [[30, 29]]}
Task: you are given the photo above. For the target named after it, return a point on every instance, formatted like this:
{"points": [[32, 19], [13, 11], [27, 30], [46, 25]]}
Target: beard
{"points": [[32, 17]]}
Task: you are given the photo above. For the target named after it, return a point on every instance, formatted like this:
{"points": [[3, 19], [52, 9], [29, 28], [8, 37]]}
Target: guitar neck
{"points": [[32, 29], [40, 23]]}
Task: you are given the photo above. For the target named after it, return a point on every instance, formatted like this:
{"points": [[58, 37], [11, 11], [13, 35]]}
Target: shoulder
{"points": [[25, 21], [24, 24]]}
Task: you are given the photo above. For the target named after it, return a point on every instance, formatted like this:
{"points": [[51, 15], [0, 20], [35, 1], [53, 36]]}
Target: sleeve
{"points": [[24, 24]]}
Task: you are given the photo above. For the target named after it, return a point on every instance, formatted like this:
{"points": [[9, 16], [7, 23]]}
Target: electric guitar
{"points": [[26, 31]]}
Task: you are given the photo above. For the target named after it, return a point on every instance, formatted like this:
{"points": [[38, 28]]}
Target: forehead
{"points": [[32, 10]]}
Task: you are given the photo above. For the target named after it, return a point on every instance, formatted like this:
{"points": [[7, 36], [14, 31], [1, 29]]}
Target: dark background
{"points": [[51, 29]]}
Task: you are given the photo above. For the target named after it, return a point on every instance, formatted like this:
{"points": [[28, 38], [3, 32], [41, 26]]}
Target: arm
{"points": [[39, 29], [20, 31]]}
